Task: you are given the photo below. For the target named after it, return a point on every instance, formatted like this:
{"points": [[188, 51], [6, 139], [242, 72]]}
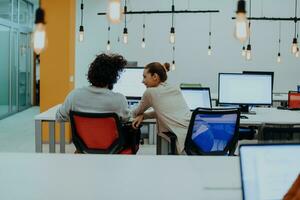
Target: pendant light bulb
{"points": [[278, 58], [143, 43], [172, 35], [243, 51], [294, 46], [81, 34], [108, 47], [125, 36], [114, 11], [209, 50], [241, 29], [39, 36], [173, 67], [297, 53], [248, 52]]}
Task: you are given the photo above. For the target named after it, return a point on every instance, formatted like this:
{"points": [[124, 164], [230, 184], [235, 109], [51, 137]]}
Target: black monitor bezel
{"points": [[199, 88], [248, 104]]}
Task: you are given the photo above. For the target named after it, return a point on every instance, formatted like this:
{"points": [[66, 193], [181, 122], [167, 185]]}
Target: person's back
{"points": [[98, 97]]}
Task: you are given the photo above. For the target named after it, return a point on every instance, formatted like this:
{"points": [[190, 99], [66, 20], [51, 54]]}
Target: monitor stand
{"points": [[245, 110]]}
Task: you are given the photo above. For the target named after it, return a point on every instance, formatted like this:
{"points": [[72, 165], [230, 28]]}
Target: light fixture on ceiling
{"points": [[243, 51], [81, 29], [209, 51], [279, 45], [172, 31], [108, 46], [125, 30], [39, 37], [114, 11], [248, 52], [241, 29], [143, 44], [173, 67], [295, 42]]}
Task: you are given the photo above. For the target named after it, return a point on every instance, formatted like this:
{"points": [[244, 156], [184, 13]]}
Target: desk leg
{"points": [[38, 136], [52, 137], [151, 133], [62, 138]]}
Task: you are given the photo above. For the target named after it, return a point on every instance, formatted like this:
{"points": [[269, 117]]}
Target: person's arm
{"points": [[63, 111], [125, 112], [145, 103]]}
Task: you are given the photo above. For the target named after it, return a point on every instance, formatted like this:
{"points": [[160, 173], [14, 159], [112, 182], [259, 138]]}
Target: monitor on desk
{"points": [[196, 97], [245, 89], [261, 72], [130, 83], [268, 171]]}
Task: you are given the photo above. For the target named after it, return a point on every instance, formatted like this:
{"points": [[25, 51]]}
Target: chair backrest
{"points": [[96, 132], [213, 132], [294, 99], [279, 133]]}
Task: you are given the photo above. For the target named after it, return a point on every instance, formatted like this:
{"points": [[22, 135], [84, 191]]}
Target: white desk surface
{"points": [[276, 96], [94, 177], [263, 115]]}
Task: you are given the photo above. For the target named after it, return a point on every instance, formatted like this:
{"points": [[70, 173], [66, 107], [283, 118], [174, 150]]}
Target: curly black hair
{"points": [[105, 70]]}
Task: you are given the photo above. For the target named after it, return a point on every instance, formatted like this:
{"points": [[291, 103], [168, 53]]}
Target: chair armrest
{"points": [[173, 139]]}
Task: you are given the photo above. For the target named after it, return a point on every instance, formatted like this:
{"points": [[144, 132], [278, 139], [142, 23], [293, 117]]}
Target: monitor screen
{"points": [[261, 72], [130, 82], [197, 97], [298, 88], [245, 89], [268, 171]]}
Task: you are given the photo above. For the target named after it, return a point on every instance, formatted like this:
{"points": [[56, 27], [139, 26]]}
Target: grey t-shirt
{"points": [[94, 100]]}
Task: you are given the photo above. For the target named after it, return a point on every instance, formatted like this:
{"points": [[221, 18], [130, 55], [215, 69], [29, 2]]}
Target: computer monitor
{"points": [[261, 72], [268, 171], [130, 83], [298, 88], [196, 97], [245, 89]]}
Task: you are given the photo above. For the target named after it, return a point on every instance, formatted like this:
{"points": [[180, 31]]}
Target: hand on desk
{"points": [[137, 121]]}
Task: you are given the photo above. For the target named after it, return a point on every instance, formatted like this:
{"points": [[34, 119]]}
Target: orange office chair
{"points": [[294, 100], [101, 133]]}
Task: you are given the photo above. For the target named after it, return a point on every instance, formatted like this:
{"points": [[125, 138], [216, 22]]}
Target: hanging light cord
{"points": [[144, 26], [209, 34], [249, 40], [125, 11], [81, 7], [108, 32], [173, 53], [173, 9], [279, 40]]}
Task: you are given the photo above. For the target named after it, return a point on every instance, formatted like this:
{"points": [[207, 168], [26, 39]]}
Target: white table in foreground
{"points": [[94, 177]]}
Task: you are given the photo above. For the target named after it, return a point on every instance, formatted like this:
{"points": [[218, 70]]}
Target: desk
{"points": [[49, 116], [262, 116], [94, 177]]}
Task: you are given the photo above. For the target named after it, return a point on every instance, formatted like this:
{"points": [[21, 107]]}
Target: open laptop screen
{"points": [[197, 97], [268, 171]]}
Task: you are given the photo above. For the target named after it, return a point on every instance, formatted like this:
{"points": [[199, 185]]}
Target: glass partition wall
{"points": [[16, 56]]}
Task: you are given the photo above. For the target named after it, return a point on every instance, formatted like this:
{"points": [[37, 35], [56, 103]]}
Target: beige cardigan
{"points": [[170, 110]]}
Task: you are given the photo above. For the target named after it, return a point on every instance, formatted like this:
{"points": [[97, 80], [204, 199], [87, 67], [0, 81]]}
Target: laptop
{"points": [[268, 170], [196, 97]]}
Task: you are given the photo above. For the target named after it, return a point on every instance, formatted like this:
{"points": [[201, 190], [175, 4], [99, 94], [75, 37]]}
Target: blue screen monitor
{"points": [[196, 97], [298, 88], [268, 171], [130, 83]]}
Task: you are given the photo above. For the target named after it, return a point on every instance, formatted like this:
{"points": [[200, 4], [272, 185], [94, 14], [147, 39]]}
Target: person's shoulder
{"points": [[118, 95]]}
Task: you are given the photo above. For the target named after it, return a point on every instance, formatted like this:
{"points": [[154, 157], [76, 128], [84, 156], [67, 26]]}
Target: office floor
{"points": [[17, 134]]}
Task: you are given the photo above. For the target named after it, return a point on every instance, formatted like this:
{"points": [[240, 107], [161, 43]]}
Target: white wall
{"points": [[192, 63]]}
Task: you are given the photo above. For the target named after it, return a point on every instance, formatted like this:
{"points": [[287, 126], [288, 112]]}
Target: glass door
{"points": [[4, 70]]}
